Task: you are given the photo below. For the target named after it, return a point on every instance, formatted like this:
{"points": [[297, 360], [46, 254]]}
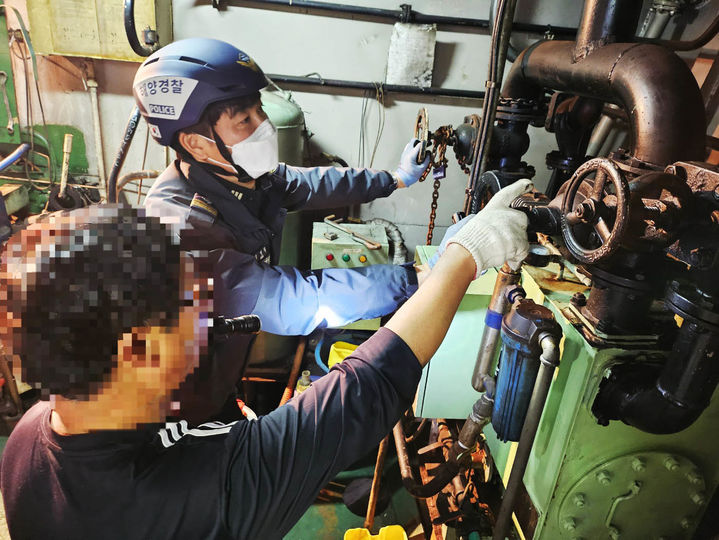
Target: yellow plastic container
{"points": [[339, 351], [390, 532]]}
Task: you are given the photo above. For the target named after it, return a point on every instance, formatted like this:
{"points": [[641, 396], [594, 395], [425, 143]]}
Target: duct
{"points": [[651, 83], [398, 249]]}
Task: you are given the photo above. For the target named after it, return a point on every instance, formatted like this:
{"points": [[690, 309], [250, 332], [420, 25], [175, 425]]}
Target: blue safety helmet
{"points": [[174, 86]]}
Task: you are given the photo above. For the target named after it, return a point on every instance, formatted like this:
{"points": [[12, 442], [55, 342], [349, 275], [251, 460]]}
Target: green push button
{"points": [[345, 257]]}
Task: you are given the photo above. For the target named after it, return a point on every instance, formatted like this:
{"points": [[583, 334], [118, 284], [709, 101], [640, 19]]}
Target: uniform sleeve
{"points": [[293, 302], [327, 187], [278, 464]]}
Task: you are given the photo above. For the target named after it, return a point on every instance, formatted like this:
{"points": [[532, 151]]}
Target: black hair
{"points": [[211, 115], [76, 282]]}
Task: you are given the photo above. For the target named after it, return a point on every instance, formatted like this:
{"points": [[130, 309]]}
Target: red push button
{"points": [[329, 257]]}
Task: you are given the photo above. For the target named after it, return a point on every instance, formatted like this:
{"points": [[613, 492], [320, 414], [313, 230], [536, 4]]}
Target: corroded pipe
{"points": [[652, 84], [606, 21]]}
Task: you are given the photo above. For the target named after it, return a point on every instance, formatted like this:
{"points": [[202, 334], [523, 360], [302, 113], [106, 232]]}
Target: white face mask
{"points": [[257, 154]]}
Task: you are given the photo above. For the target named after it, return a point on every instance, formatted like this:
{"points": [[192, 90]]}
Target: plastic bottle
{"points": [[304, 382]]}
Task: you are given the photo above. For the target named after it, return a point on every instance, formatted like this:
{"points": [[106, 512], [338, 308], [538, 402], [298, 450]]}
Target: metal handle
{"points": [[368, 242]]}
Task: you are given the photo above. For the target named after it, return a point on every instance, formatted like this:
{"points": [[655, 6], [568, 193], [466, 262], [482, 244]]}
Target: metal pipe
{"points": [[498, 304], [549, 359], [373, 86], [137, 175], [405, 15], [295, 371], [658, 24], [131, 31], [512, 52], [417, 489], [480, 151], [651, 83], [66, 151], [704, 38], [374, 491], [599, 135], [505, 34], [13, 157], [97, 131], [130, 129], [605, 21]]}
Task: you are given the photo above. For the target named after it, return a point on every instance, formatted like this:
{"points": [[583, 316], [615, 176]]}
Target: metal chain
{"points": [[433, 212], [441, 138]]}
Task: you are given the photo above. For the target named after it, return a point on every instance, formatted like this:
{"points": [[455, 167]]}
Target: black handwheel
{"points": [[421, 132], [604, 212]]}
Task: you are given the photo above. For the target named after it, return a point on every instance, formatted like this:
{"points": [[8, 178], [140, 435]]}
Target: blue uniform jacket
{"points": [[289, 301]]}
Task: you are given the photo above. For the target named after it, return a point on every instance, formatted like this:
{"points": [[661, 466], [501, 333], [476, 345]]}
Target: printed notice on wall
{"points": [[92, 28]]}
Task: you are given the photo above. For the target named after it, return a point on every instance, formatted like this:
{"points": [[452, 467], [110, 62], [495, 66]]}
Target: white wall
{"points": [[297, 44], [289, 43], [338, 48]]}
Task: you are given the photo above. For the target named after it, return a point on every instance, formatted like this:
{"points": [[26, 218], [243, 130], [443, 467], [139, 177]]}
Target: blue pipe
{"points": [[19, 152]]}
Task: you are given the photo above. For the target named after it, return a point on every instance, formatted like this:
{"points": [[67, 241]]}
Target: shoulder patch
{"points": [[204, 206]]}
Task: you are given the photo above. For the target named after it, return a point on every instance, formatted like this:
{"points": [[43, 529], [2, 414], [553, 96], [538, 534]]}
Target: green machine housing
{"points": [[332, 248], [585, 481]]}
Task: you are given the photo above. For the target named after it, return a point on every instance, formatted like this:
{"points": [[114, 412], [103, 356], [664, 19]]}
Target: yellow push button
{"points": [[362, 258]]}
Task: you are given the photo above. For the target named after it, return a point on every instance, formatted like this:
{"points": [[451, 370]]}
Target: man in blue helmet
{"points": [[201, 97]]}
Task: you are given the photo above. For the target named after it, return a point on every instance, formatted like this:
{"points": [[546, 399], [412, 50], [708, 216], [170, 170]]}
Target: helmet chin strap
{"points": [[239, 173]]}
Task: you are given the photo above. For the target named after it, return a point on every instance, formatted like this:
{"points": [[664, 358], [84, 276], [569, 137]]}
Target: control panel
{"points": [[335, 248]]}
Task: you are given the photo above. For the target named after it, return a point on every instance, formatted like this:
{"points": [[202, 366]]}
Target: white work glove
{"points": [[497, 234], [408, 170], [451, 231]]}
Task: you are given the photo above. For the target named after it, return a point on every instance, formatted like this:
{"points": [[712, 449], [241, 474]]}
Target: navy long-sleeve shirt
{"points": [[249, 479], [288, 301]]}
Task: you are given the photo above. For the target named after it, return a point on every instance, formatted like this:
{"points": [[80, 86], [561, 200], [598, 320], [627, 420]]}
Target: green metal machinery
{"points": [[584, 480], [45, 157]]}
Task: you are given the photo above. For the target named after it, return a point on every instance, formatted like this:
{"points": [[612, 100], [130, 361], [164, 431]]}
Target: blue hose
{"points": [[318, 357], [19, 152]]}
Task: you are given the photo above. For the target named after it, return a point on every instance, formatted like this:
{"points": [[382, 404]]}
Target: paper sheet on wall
{"points": [[92, 28], [411, 54]]}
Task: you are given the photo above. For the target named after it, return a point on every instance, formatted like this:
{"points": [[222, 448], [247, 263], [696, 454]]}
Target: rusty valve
{"points": [[604, 212]]}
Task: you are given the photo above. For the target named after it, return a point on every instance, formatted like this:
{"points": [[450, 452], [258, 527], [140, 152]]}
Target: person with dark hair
{"points": [[130, 321], [201, 97]]}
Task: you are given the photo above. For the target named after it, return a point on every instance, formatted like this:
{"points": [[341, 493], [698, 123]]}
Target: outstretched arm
{"points": [[495, 235], [293, 302]]}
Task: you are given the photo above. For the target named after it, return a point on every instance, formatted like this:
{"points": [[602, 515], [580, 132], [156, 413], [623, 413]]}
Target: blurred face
{"points": [[180, 347]]}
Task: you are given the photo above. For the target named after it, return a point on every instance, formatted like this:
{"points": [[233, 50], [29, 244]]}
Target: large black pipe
{"points": [[653, 85], [668, 398], [130, 128], [405, 14], [375, 86], [131, 30]]}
